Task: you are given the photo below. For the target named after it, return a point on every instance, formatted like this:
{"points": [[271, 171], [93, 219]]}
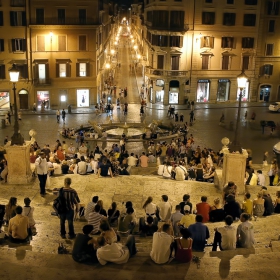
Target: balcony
{"points": [[66, 21], [17, 3], [166, 73], [42, 82], [182, 28]]}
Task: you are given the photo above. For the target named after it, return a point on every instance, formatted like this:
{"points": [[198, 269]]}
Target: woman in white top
{"points": [[149, 207], [167, 168]]}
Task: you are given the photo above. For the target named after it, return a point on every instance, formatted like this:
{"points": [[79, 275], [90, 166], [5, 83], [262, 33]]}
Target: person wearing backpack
{"points": [[71, 201]]}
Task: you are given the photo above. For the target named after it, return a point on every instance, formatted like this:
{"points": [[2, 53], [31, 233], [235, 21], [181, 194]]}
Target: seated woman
{"points": [[184, 246], [258, 205], [232, 207], [217, 213], [167, 169], [210, 176], [64, 167], [108, 232]]}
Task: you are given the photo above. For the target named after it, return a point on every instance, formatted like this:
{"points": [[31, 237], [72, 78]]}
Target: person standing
{"points": [[63, 114], [191, 117], [42, 171], [71, 204], [57, 115]]}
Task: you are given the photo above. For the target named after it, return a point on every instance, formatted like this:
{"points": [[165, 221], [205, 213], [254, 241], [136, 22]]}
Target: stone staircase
{"points": [[39, 259]]}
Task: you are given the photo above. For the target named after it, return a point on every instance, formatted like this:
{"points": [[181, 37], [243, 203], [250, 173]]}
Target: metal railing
{"points": [[38, 82], [17, 3], [167, 73]]}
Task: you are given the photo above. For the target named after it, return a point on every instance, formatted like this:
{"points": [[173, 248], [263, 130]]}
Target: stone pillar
{"points": [[18, 159], [234, 166]]}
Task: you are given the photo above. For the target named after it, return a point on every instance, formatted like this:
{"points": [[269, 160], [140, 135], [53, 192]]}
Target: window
{"points": [[18, 18], [271, 26], [266, 69], [175, 62], [1, 18], [61, 43], [205, 62], [208, 18], [249, 20], [63, 68], [273, 8], [160, 40], [40, 16], [82, 16], [2, 45], [61, 16], [229, 19], [23, 71], [160, 62], [207, 42], [176, 41], [160, 19], [18, 45], [82, 69], [245, 62], [2, 72], [247, 43], [41, 72], [82, 42], [251, 2], [269, 49], [227, 42], [40, 43], [177, 19], [230, 2], [225, 62]]}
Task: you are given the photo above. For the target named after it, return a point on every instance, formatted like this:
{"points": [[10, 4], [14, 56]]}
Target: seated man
{"points": [[18, 227], [188, 218], [90, 206], [162, 241], [245, 232], [199, 233], [148, 228], [127, 221], [175, 219], [203, 208], [94, 219], [164, 209], [115, 252], [225, 236], [83, 250]]}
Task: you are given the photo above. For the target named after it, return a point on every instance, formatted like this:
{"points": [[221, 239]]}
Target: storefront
{"points": [[4, 100], [265, 93], [82, 98], [245, 93], [43, 98], [203, 88], [173, 97], [159, 89], [223, 90]]}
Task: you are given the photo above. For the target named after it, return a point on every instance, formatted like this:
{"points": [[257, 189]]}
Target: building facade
{"points": [[59, 48], [194, 50]]}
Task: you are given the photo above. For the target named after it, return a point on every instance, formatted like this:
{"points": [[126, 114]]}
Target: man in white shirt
{"points": [[225, 236], [71, 151], [161, 247], [245, 232], [261, 178], [160, 169], [180, 172], [115, 252], [164, 209], [131, 161], [83, 150], [42, 172], [82, 166]]}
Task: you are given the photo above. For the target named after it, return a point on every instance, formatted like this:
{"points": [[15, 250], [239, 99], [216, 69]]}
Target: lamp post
{"points": [[17, 138], [235, 146]]}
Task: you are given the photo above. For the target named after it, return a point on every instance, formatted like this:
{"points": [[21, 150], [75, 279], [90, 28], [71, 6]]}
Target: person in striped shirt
{"points": [[94, 219]]}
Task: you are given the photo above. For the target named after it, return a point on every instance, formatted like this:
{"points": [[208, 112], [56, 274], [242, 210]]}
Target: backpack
{"points": [[59, 204]]}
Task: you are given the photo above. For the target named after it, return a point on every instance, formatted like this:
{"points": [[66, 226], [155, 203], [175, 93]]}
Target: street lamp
{"points": [[235, 146], [17, 138]]}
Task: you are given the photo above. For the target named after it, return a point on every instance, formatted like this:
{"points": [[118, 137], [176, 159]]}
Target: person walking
{"points": [[72, 201], [42, 171], [191, 117], [57, 115], [63, 114]]}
